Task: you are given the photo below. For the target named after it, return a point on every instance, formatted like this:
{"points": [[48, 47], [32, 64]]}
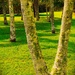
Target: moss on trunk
{"points": [[12, 25], [60, 64], [32, 39]]}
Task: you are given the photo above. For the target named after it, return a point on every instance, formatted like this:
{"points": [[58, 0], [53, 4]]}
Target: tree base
{"points": [[13, 40], [5, 23], [53, 31]]}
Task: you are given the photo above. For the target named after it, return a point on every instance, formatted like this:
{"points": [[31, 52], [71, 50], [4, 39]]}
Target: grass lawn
{"points": [[15, 57]]}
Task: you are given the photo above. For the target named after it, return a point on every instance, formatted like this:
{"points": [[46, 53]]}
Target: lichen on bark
{"points": [[32, 39], [60, 64]]}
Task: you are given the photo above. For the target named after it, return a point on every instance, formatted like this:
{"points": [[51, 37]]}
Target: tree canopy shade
{"points": [[17, 9]]}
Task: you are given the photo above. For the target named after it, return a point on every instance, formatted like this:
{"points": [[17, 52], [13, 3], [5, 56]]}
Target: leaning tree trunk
{"points": [[51, 17], [60, 64], [33, 44], [12, 26], [36, 9], [4, 12]]}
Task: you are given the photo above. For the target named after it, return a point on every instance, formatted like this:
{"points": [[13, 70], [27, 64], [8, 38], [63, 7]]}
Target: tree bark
{"points": [[46, 10], [51, 17], [36, 9], [12, 25], [32, 39], [4, 12], [60, 64], [21, 16]]}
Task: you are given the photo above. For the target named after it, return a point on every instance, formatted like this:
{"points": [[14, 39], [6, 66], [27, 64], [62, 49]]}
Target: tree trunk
{"points": [[12, 26], [60, 64], [21, 16], [46, 11], [36, 9], [51, 17], [4, 12], [32, 40]]}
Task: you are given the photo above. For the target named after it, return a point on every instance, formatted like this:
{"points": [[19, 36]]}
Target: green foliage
{"points": [[15, 57]]}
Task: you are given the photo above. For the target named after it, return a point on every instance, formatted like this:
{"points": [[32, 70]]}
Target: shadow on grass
{"points": [[44, 25], [5, 35], [21, 36], [4, 31], [72, 35], [73, 22], [48, 43], [10, 44], [71, 47]]}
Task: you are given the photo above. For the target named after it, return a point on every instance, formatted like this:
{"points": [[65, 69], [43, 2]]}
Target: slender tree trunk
{"points": [[12, 25], [51, 17], [46, 11], [36, 9], [33, 44], [4, 12], [21, 16], [60, 64]]}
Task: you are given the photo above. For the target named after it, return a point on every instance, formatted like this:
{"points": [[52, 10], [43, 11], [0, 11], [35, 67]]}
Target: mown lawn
{"points": [[15, 57]]}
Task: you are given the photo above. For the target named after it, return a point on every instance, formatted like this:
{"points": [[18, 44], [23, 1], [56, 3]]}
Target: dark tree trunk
{"points": [[36, 9], [51, 17], [4, 12]]}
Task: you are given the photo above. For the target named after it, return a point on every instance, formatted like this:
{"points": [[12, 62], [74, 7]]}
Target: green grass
{"points": [[15, 57]]}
